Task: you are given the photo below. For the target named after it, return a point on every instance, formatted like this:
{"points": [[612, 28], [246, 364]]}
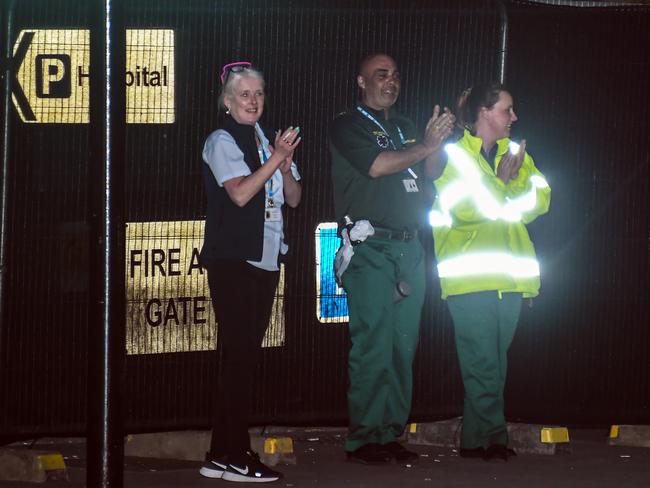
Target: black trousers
{"points": [[242, 297]]}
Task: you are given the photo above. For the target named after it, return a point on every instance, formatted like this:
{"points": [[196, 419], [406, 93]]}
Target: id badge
{"points": [[410, 185], [272, 214]]}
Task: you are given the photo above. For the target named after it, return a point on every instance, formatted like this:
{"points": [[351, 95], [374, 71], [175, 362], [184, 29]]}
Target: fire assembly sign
{"points": [[167, 293]]}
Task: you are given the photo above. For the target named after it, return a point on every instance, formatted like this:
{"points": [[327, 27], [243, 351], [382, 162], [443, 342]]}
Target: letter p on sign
{"points": [[53, 76]]}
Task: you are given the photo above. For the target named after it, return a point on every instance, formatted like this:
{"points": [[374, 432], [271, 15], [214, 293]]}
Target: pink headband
{"points": [[233, 68]]}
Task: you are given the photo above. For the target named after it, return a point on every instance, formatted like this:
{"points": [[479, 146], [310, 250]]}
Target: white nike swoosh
{"points": [[219, 465], [240, 470]]}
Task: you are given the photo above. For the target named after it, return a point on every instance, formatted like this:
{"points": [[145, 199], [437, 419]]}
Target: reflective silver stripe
{"points": [[470, 186], [485, 263]]}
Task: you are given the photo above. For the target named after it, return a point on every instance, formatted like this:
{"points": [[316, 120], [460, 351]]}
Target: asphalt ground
{"points": [[320, 462]]}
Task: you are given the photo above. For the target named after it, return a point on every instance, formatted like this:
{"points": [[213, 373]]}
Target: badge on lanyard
{"points": [[272, 214], [410, 185]]}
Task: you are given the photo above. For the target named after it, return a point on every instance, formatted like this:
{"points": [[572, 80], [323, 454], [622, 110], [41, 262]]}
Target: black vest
{"points": [[233, 232]]}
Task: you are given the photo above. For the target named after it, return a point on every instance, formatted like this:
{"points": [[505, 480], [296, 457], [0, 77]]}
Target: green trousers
{"points": [[484, 325], [384, 336]]}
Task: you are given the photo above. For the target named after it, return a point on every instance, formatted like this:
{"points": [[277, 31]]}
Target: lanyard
{"points": [[268, 187], [373, 119]]}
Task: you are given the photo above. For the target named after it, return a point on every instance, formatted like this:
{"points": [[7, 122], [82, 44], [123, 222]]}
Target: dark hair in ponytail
{"points": [[473, 99]]}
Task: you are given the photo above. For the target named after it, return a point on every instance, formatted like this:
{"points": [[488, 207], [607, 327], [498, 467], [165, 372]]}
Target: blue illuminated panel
{"points": [[331, 301]]}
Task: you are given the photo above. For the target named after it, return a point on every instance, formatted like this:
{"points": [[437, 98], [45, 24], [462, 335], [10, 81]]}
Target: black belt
{"points": [[395, 235]]}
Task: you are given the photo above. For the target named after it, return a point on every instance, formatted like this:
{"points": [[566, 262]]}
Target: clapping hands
{"points": [[510, 164], [439, 127], [285, 145]]}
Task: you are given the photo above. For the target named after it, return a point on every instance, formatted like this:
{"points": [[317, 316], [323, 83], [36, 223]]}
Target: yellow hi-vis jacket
{"points": [[478, 222]]}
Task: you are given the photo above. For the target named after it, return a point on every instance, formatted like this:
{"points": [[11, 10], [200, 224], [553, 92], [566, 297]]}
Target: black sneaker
{"points": [[370, 454], [214, 468], [498, 452], [400, 453], [250, 469], [475, 452]]}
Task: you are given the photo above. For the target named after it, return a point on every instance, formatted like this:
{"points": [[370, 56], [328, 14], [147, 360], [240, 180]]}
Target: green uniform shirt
{"points": [[355, 142]]}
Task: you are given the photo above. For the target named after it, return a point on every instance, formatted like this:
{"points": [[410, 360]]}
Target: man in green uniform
{"points": [[379, 171]]}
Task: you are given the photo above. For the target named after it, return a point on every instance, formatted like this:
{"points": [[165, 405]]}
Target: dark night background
{"points": [[579, 77]]}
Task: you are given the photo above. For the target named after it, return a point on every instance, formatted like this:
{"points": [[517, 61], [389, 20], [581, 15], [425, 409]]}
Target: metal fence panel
{"points": [[582, 342]]}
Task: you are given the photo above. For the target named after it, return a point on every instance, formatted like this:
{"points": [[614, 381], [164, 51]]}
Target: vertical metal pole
{"points": [[7, 30], [503, 52], [106, 321]]}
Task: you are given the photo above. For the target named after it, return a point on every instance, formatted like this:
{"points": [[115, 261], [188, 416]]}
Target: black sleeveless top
{"points": [[233, 232]]}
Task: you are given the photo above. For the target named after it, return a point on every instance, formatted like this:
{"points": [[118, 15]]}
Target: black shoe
{"points": [[370, 454], [498, 452], [477, 452], [214, 468], [400, 453], [249, 469]]}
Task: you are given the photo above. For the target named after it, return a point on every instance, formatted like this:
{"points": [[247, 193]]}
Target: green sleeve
{"points": [[355, 141]]}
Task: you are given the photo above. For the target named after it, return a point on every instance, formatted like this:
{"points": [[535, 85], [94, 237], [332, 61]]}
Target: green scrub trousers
{"points": [[484, 325], [384, 337]]}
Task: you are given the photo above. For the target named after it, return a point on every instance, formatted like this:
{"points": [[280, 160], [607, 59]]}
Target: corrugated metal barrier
{"points": [[580, 88]]}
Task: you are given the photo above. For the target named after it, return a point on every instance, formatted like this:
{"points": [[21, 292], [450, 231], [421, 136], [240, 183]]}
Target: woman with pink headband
{"points": [[249, 175]]}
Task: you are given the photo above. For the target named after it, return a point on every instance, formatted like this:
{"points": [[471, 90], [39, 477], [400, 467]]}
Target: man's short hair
{"points": [[367, 58]]}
